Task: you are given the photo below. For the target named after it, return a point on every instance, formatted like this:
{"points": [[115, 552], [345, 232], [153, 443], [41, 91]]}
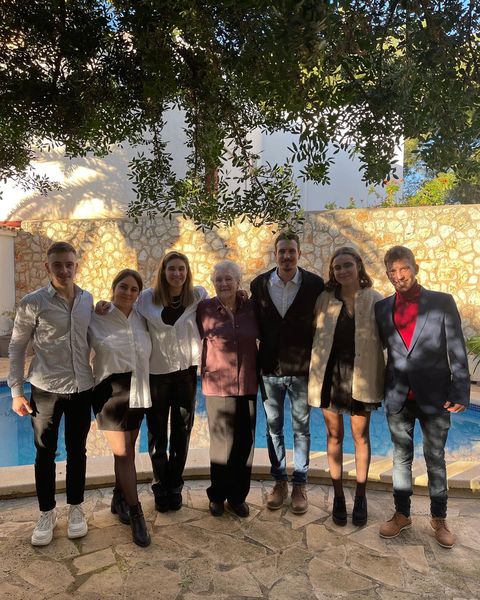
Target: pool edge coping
{"points": [[464, 476]]}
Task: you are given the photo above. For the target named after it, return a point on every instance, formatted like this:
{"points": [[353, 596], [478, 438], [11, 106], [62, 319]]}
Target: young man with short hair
{"points": [[285, 300], [55, 319], [427, 379]]}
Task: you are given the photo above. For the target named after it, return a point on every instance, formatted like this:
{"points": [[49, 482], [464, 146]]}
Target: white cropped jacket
{"points": [[369, 362]]}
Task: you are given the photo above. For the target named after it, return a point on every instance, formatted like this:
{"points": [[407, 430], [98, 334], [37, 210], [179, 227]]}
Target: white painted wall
{"points": [[345, 177], [93, 188], [7, 282]]}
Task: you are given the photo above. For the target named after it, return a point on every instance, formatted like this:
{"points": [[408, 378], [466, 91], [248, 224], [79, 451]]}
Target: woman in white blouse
{"points": [[121, 351], [169, 308]]}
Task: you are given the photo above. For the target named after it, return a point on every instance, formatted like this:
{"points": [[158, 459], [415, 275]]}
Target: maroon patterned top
{"points": [[229, 357]]}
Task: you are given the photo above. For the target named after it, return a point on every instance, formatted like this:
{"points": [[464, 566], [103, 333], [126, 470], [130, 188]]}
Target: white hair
{"points": [[227, 265]]}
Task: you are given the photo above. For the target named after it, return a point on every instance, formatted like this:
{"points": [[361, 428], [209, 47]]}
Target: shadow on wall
{"points": [[443, 240], [102, 250], [91, 188], [446, 252], [106, 246]]}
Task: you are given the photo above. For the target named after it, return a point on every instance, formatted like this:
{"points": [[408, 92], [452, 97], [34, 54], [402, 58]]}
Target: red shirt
{"points": [[405, 314]]}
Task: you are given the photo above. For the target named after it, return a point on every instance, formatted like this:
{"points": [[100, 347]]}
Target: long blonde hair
{"points": [[161, 289]]}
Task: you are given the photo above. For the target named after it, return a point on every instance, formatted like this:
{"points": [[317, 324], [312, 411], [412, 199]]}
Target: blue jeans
{"points": [[435, 431], [276, 388]]}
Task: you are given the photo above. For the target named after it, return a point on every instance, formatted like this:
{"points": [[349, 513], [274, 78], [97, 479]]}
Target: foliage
{"points": [[389, 198], [473, 346], [433, 191], [331, 205], [423, 186], [355, 75]]}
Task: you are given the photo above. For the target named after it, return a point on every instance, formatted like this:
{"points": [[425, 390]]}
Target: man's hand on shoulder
{"points": [[102, 307], [21, 406], [452, 407]]}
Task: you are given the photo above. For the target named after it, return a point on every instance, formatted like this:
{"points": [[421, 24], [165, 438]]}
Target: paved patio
{"points": [[274, 555]]}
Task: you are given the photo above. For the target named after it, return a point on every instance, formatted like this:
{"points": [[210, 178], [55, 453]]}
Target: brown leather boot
{"points": [[299, 503], [277, 495], [443, 535], [395, 525]]}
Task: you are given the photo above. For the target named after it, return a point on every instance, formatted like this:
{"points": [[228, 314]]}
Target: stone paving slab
{"points": [[273, 555]]}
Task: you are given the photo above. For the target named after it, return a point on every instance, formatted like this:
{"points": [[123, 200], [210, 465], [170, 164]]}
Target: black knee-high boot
{"points": [[140, 534]]}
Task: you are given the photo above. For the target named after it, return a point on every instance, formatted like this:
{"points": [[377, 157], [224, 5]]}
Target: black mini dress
{"points": [[111, 399], [337, 383]]}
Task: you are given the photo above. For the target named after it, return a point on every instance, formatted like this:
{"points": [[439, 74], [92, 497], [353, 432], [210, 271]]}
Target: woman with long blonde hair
{"points": [[170, 310]]}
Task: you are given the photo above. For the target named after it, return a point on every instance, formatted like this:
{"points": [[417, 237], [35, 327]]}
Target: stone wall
{"points": [[445, 240]]}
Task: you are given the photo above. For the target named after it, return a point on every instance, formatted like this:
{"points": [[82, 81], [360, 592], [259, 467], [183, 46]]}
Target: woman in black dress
{"points": [[346, 371]]}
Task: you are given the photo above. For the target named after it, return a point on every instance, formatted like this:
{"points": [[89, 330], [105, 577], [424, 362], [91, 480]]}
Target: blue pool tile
{"points": [[16, 447]]}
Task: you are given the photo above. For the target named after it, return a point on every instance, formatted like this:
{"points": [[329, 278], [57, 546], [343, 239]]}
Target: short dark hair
{"points": [[364, 278], [288, 235], [127, 273], [398, 253], [60, 247]]}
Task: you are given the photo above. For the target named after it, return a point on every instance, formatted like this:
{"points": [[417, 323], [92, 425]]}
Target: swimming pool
{"points": [[16, 439]]}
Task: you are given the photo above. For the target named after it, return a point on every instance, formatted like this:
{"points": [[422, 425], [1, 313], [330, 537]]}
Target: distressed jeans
{"points": [[435, 431], [276, 388]]}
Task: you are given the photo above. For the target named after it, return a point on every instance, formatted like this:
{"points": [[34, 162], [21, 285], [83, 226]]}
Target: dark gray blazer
{"points": [[435, 366]]}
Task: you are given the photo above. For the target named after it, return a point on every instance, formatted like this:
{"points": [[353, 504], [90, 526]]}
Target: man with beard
{"points": [[426, 379], [285, 299]]}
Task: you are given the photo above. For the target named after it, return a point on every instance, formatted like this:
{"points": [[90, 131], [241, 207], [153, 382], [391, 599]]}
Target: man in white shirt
{"points": [[55, 320], [285, 299]]}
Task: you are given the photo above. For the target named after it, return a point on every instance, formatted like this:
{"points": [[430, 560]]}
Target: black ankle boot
{"points": [[359, 513], [175, 500], [120, 507], [139, 528], [339, 512], [161, 502]]}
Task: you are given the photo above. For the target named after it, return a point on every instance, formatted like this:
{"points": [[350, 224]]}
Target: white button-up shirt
{"points": [[122, 344], [174, 347], [59, 339], [283, 294]]}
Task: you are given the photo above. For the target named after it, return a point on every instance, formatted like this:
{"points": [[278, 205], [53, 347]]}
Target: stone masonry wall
{"points": [[445, 240]]}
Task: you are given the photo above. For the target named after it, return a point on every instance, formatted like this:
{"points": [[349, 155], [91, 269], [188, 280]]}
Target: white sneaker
{"points": [[43, 533], [77, 524]]}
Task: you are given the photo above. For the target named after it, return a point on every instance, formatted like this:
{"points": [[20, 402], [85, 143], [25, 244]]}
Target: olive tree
{"points": [[358, 76]]}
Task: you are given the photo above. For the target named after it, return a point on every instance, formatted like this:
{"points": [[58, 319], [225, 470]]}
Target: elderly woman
{"points": [[346, 371], [121, 351], [229, 330]]}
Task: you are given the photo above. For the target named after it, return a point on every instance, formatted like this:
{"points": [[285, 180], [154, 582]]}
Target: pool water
{"points": [[17, 448]]}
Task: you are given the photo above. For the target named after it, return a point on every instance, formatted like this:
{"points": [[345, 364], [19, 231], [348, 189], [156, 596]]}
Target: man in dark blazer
{"points": [[285, 299], [426, 379]]}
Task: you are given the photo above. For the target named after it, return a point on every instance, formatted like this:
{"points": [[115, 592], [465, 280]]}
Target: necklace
{"points": [[176, 302], [349, 303]]}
